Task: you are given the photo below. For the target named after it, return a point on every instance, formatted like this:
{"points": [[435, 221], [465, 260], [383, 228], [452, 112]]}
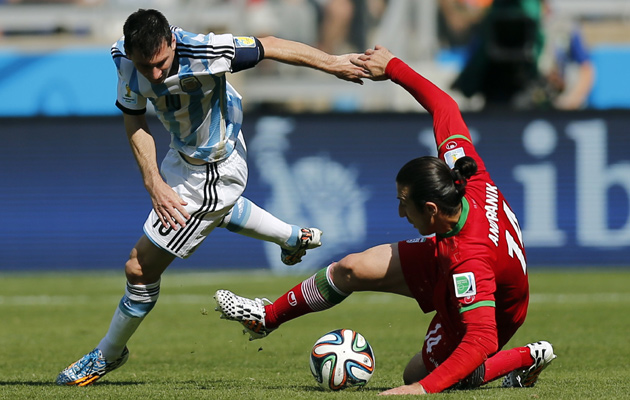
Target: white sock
{"points": [[120, 330], [133, 307], [247, 219]]}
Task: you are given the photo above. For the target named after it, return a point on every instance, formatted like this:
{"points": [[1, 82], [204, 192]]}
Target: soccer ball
{"points": [[342, 359]]}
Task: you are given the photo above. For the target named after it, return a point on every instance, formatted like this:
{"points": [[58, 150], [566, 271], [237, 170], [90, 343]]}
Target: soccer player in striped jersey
{"points": [[200, 182], [472, 272]]}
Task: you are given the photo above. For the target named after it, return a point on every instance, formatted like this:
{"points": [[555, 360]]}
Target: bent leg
{"points": [[248, 219], [376, 269], [415, 370], [506, 361], [146, 262], [143, 269]]}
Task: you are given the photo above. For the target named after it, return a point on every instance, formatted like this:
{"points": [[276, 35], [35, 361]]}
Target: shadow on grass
{"points": [[214, 383], [53, 384]]}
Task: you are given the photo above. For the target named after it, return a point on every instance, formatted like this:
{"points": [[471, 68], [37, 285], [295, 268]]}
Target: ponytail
{"points": [[464, 168]]}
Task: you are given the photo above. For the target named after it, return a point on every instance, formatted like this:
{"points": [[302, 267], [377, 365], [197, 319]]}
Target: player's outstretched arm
{"points": [[373, 63], [380, 64], [296, 53]]}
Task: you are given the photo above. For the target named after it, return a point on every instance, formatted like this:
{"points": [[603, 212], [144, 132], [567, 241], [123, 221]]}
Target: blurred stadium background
{"points": [[322, 152]]}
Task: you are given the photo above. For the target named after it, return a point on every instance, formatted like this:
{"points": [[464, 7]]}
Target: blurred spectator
{"points": [[345, 24], [49, 1], [503, 58], [458, 20], [289, 19], [566, 63], [261, 18], [336, 21]]}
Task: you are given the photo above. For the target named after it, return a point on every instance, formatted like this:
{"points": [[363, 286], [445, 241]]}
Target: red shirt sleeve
{"points": [[447, 119], [451, 133], [479, 343]]}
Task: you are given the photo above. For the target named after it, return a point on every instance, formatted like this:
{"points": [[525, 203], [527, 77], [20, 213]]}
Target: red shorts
{"points": [[418, 259], [438, 344]]}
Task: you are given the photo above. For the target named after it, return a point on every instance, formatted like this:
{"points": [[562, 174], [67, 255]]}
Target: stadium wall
{"points": [[38, 83], [73, 196]]}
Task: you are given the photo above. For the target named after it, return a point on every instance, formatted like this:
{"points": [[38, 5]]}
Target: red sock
{"points": [[316, 293], [507, 361], [291, 305]]}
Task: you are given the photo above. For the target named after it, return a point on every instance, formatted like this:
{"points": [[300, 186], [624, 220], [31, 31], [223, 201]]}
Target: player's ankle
{"points": [[271, 319]]}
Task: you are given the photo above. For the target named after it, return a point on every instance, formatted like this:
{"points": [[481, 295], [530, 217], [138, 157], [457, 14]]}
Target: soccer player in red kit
{"points": [[472, 272]]}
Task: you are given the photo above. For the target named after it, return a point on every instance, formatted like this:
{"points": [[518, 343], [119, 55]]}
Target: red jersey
{"points": [[478, 283]]}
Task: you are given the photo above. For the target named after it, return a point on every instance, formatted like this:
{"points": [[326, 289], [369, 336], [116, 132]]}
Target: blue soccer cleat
{"points": [[90, 368]]}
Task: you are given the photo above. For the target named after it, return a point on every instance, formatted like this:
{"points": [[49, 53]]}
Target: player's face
{"points": [[421, 220], [157, 68]]}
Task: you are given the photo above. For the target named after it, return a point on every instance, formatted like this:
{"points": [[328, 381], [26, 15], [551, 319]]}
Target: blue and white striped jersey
{"points": [[200, 109]]}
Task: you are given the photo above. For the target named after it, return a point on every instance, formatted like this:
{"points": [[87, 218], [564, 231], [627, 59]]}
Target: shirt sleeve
{"points": [[447, 119], [451, 133], [129, 102], [478, 344], [578, 50]]}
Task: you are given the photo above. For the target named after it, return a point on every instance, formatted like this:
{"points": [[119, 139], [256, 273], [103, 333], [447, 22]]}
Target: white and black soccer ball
{"points": [[342, 359]]}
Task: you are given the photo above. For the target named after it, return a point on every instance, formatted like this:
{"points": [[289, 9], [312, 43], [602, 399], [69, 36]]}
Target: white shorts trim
{"points": [[211, 190]]}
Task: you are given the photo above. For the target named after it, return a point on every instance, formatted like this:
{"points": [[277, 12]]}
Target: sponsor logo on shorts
{"points": [[465, 285]]}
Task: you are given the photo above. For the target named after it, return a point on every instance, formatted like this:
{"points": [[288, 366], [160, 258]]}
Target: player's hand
{"points": [[414, 388], [345, 67], [374, 62], [168, 206]]}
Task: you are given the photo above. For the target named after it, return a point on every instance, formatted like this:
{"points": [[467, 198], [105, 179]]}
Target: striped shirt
{"points": [[200, 109]]}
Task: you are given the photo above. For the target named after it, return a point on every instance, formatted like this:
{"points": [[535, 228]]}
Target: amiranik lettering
{"points": [[492, 209]]}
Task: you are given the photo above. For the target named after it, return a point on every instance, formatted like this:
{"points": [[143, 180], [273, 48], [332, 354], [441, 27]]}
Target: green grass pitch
{"points": [[184, 351]]}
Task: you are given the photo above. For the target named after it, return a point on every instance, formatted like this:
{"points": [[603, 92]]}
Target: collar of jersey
{"points": [[462, 220]]}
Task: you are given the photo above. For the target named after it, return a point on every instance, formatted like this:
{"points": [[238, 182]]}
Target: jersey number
{"points": [[173, 102], [513, 247]]}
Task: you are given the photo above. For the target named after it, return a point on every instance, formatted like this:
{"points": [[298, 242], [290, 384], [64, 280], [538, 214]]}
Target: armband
{"points": [[248, 51]]}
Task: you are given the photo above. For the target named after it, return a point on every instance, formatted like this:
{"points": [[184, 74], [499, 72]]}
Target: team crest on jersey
{"points": [[190, 84], [244, 41], [465, 285], [453, 155]]}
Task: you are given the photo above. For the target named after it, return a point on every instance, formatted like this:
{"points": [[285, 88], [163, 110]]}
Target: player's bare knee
{"points": [[346, 273], [133, 270], [415, 370], [136, 272]]}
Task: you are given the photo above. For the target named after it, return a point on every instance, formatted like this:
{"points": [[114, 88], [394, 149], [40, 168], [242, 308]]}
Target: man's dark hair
{"points": [[430, 179], [145, 32]]}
